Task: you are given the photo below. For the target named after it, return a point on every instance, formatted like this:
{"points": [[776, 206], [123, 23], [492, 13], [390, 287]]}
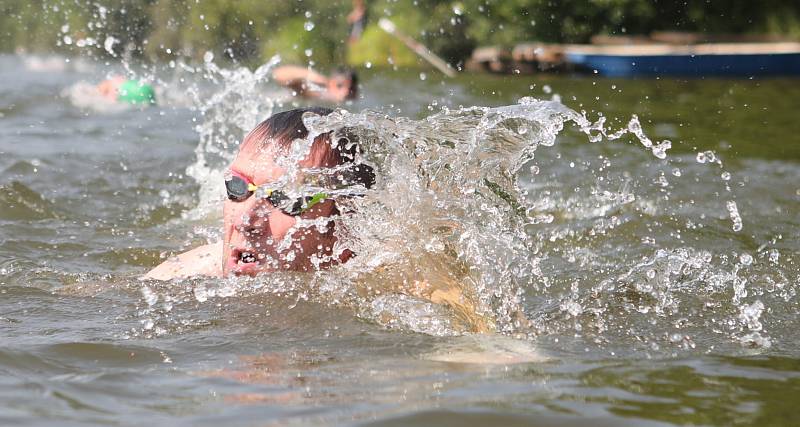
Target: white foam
{"points": [[487, 349]]}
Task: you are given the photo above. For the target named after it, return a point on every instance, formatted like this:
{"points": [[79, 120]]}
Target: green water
{"points": [[741, 117]]}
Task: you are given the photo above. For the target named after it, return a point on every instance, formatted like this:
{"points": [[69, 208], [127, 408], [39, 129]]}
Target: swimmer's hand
{"points": [[450, 294], [299, 79], [201, 261]]}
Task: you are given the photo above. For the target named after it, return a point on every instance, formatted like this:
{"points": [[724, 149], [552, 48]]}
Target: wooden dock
{"points": [[661, 53], [525, 58]]}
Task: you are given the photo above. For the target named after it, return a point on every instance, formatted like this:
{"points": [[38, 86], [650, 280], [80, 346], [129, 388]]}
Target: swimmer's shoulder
{"points": [[205, 260]]}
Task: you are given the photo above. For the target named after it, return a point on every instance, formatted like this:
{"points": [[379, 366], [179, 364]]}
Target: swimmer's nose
{"points": [[243, 216], [248, 229], [256, 218]]}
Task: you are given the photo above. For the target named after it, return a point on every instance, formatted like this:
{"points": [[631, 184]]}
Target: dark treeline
{"points": [[316, 30]]}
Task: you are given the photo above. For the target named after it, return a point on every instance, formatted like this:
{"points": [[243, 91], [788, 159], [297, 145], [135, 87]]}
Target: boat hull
{"points": [[735, 65]]}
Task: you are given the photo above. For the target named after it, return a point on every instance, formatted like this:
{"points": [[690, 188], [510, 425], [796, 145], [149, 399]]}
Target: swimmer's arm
{"points": [[298, 78], [202, 261]]}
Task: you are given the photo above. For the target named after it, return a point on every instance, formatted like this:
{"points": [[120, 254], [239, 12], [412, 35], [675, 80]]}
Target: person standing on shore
{"points": [[357, 19]]}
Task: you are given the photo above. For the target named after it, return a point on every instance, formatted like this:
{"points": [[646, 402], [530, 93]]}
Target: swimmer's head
{"points": [[343, 84], [269, 228], [136, 92]]}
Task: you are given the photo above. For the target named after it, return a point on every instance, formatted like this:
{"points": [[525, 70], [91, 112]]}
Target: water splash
{"points": [[736, 219], [457, 213], [238, 102], [537, 240], [464, 207]]}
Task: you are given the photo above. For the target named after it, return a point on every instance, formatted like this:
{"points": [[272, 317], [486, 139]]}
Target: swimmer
{"points": [[128, 91], [342, 85], [268, 227], [261, 220]]}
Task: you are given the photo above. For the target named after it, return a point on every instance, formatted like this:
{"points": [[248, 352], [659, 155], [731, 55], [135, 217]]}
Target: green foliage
{"points": [[509, 21], [168, 19], [324, 40], [29, 24], [254, 30], [380, 49]]}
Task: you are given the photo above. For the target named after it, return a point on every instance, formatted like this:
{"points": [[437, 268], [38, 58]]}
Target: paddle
{"points": [[418, 48]]}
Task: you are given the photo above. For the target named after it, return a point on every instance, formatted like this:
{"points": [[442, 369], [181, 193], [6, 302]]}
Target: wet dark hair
{"points": [[351, 75], [283, 128]]}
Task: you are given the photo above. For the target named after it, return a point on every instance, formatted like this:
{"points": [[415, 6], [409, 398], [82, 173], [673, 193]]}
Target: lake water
{"points": [[658, 284]]}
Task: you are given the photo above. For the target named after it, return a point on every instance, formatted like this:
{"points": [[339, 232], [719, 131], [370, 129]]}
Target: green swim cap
{"points": [[136, 92]]}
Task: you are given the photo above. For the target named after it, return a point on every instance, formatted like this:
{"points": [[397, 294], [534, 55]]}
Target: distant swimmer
{"points": [[127, 91], [305, 82]]}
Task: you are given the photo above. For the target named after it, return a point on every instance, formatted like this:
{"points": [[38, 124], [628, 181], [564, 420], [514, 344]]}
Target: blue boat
{"points": [[701, 60]]}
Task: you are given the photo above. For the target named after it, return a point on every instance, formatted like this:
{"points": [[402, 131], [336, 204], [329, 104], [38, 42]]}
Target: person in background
{"points": [[357, 20], [340, 86], [128, 91]]}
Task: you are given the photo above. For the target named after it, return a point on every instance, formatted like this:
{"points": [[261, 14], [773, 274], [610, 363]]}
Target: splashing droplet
{"points": [[733, 210], [108, 45], [706, 157], [750, 314], [150, 297], [201, 294]]}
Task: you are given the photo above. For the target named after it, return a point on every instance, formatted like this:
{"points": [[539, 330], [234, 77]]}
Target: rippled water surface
{"points": [[633, 247]]}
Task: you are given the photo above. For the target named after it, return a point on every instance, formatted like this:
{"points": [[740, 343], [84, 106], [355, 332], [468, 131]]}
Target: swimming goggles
{"points": [[239, 189]]}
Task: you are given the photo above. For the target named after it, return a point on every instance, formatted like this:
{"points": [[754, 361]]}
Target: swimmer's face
{"points": [[258, 237], [339, 86]]}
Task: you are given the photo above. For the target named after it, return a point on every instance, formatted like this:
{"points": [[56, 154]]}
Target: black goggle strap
{"points": [[359, 175], [239, 189], [300, 204]]}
